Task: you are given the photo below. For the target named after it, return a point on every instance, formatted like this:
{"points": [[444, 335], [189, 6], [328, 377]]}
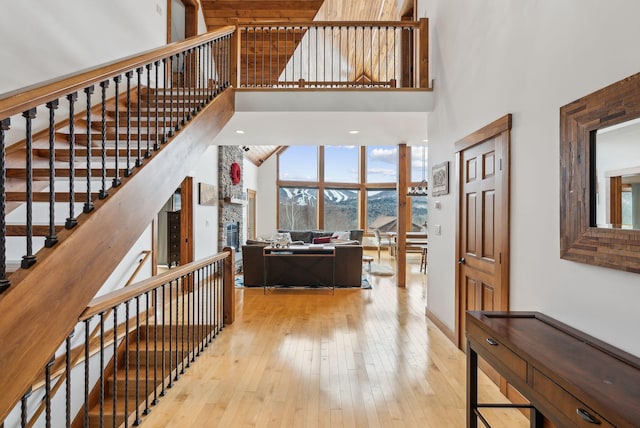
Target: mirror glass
{"points": [[617, 180]]}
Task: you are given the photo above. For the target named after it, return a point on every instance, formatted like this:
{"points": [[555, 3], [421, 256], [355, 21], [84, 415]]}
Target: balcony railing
{"points": [[129, 348], [334, 55], [84, 134]]}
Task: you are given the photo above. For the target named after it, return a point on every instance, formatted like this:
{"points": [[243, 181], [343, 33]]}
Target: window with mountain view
{"points": [[337, 202], [298, 208], [340, 209], [382, 210]]}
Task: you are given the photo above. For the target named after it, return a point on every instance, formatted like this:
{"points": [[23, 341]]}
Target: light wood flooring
{"points": [[305, 358]]}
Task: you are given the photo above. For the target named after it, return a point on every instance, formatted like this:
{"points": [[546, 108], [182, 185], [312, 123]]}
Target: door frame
{"points": [[186, 221], [499, 128], [251, 216]]}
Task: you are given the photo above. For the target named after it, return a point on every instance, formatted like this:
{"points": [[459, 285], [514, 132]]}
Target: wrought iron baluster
{"points": [[127, 170], [184, 118], [88, 205], [147, 410], [4, 282], [137, 420], [271, 57], [183, 292], [189, 316], [189, 79], [164, 314], [155, 347], [101, 380], [103, 146], [86, 373], [164, 101], [262, 74], [29, 259], [52, 239], [67, 373], [139, 71], [171, 96], [116, 174], [47, 392], [115, 366], [147, 153], [126, 362], [71, 220], [156, 141], [170, 335], [24, 404]]}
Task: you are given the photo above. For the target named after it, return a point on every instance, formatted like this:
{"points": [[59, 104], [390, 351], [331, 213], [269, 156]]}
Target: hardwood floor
{"points": [[359, 358]]}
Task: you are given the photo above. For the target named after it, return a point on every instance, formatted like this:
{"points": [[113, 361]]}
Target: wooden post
{"points": [[235, 55], [229, 291], [401, 243], [423, 60]]}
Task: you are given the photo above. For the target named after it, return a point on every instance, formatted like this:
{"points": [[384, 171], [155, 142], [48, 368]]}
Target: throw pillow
{"points": [[325, 240], [343, 236]]}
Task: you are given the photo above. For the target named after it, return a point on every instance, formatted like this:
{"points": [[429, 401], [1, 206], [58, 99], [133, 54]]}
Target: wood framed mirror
{"points": [[582, 237]]}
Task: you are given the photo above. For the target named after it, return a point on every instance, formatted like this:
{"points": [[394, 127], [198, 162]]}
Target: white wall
{"points": [[266, 223], [490, 58], [205, 218], [42, 39], [249, 181]]}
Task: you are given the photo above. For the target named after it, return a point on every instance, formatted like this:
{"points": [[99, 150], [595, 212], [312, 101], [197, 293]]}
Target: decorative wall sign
{"points": [[440, 181], [207, 194]]}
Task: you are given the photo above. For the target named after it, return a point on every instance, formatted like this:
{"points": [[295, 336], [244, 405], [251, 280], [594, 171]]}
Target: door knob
{"points": [[461, 261]]}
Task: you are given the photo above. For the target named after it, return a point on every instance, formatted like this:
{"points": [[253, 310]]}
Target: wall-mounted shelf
{"points": [[233, 201]]}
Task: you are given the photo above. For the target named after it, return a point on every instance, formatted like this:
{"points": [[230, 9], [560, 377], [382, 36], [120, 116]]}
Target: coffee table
{"points": [[299, 265]]}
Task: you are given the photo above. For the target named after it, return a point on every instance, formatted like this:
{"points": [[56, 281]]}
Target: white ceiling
{"points": [[381, 118]]}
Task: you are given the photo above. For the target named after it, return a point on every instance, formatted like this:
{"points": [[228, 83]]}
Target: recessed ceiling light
{"points": [[239, 131], [353, 131], [425, 141]]}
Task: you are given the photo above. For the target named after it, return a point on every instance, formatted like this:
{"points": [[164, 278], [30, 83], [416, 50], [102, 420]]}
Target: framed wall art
{"points": [[440, 179], [207, 194]]}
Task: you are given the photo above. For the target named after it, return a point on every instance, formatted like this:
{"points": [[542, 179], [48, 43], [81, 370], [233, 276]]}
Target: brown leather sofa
{"points": [[348, 268]]}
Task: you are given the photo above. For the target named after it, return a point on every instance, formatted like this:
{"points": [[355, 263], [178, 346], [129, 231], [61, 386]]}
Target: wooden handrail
{"points": [[267, 24], [20, 100], [108, 301]]}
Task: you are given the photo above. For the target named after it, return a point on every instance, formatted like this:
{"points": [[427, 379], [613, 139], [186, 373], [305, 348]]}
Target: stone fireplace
{"points": [[231, 205]]}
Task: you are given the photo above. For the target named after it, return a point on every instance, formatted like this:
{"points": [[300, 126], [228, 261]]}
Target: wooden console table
{"points": [[571, 378], [300, 265]]}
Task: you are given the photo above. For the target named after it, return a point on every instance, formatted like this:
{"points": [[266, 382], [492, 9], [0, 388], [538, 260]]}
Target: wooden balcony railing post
{"points": [[229, 300], [424, 53], [234, 55]]}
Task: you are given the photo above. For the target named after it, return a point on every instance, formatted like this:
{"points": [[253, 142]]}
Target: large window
{"points": [[299, 163], [382, 210], [341, 164], [298, 208], [332, 187], [340, 209], [382, 164]]}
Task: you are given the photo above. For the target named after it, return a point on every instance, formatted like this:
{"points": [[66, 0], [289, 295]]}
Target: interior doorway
{"points": [[174, 233], [482, 227]]}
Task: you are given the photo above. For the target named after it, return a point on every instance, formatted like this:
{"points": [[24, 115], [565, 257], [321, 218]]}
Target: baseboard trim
{"points": [[441, 326]]}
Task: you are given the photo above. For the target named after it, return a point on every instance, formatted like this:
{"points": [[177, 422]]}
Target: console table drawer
{"points": [[570, 407], [497, 353]]}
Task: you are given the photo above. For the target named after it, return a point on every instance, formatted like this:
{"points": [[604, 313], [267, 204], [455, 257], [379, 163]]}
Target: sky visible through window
{"points": [[300, 163]]}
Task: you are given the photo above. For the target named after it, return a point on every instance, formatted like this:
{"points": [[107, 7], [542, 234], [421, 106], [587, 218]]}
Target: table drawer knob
{"points": [[587, 416], [492, 342]]}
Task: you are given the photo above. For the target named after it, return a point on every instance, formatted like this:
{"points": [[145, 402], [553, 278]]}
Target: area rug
{"points": [[365, 285], [381, 270]]}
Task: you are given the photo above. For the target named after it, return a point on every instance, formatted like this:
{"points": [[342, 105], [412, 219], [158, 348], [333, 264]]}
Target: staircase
{"points": [[112, 169], [148, 364]]}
